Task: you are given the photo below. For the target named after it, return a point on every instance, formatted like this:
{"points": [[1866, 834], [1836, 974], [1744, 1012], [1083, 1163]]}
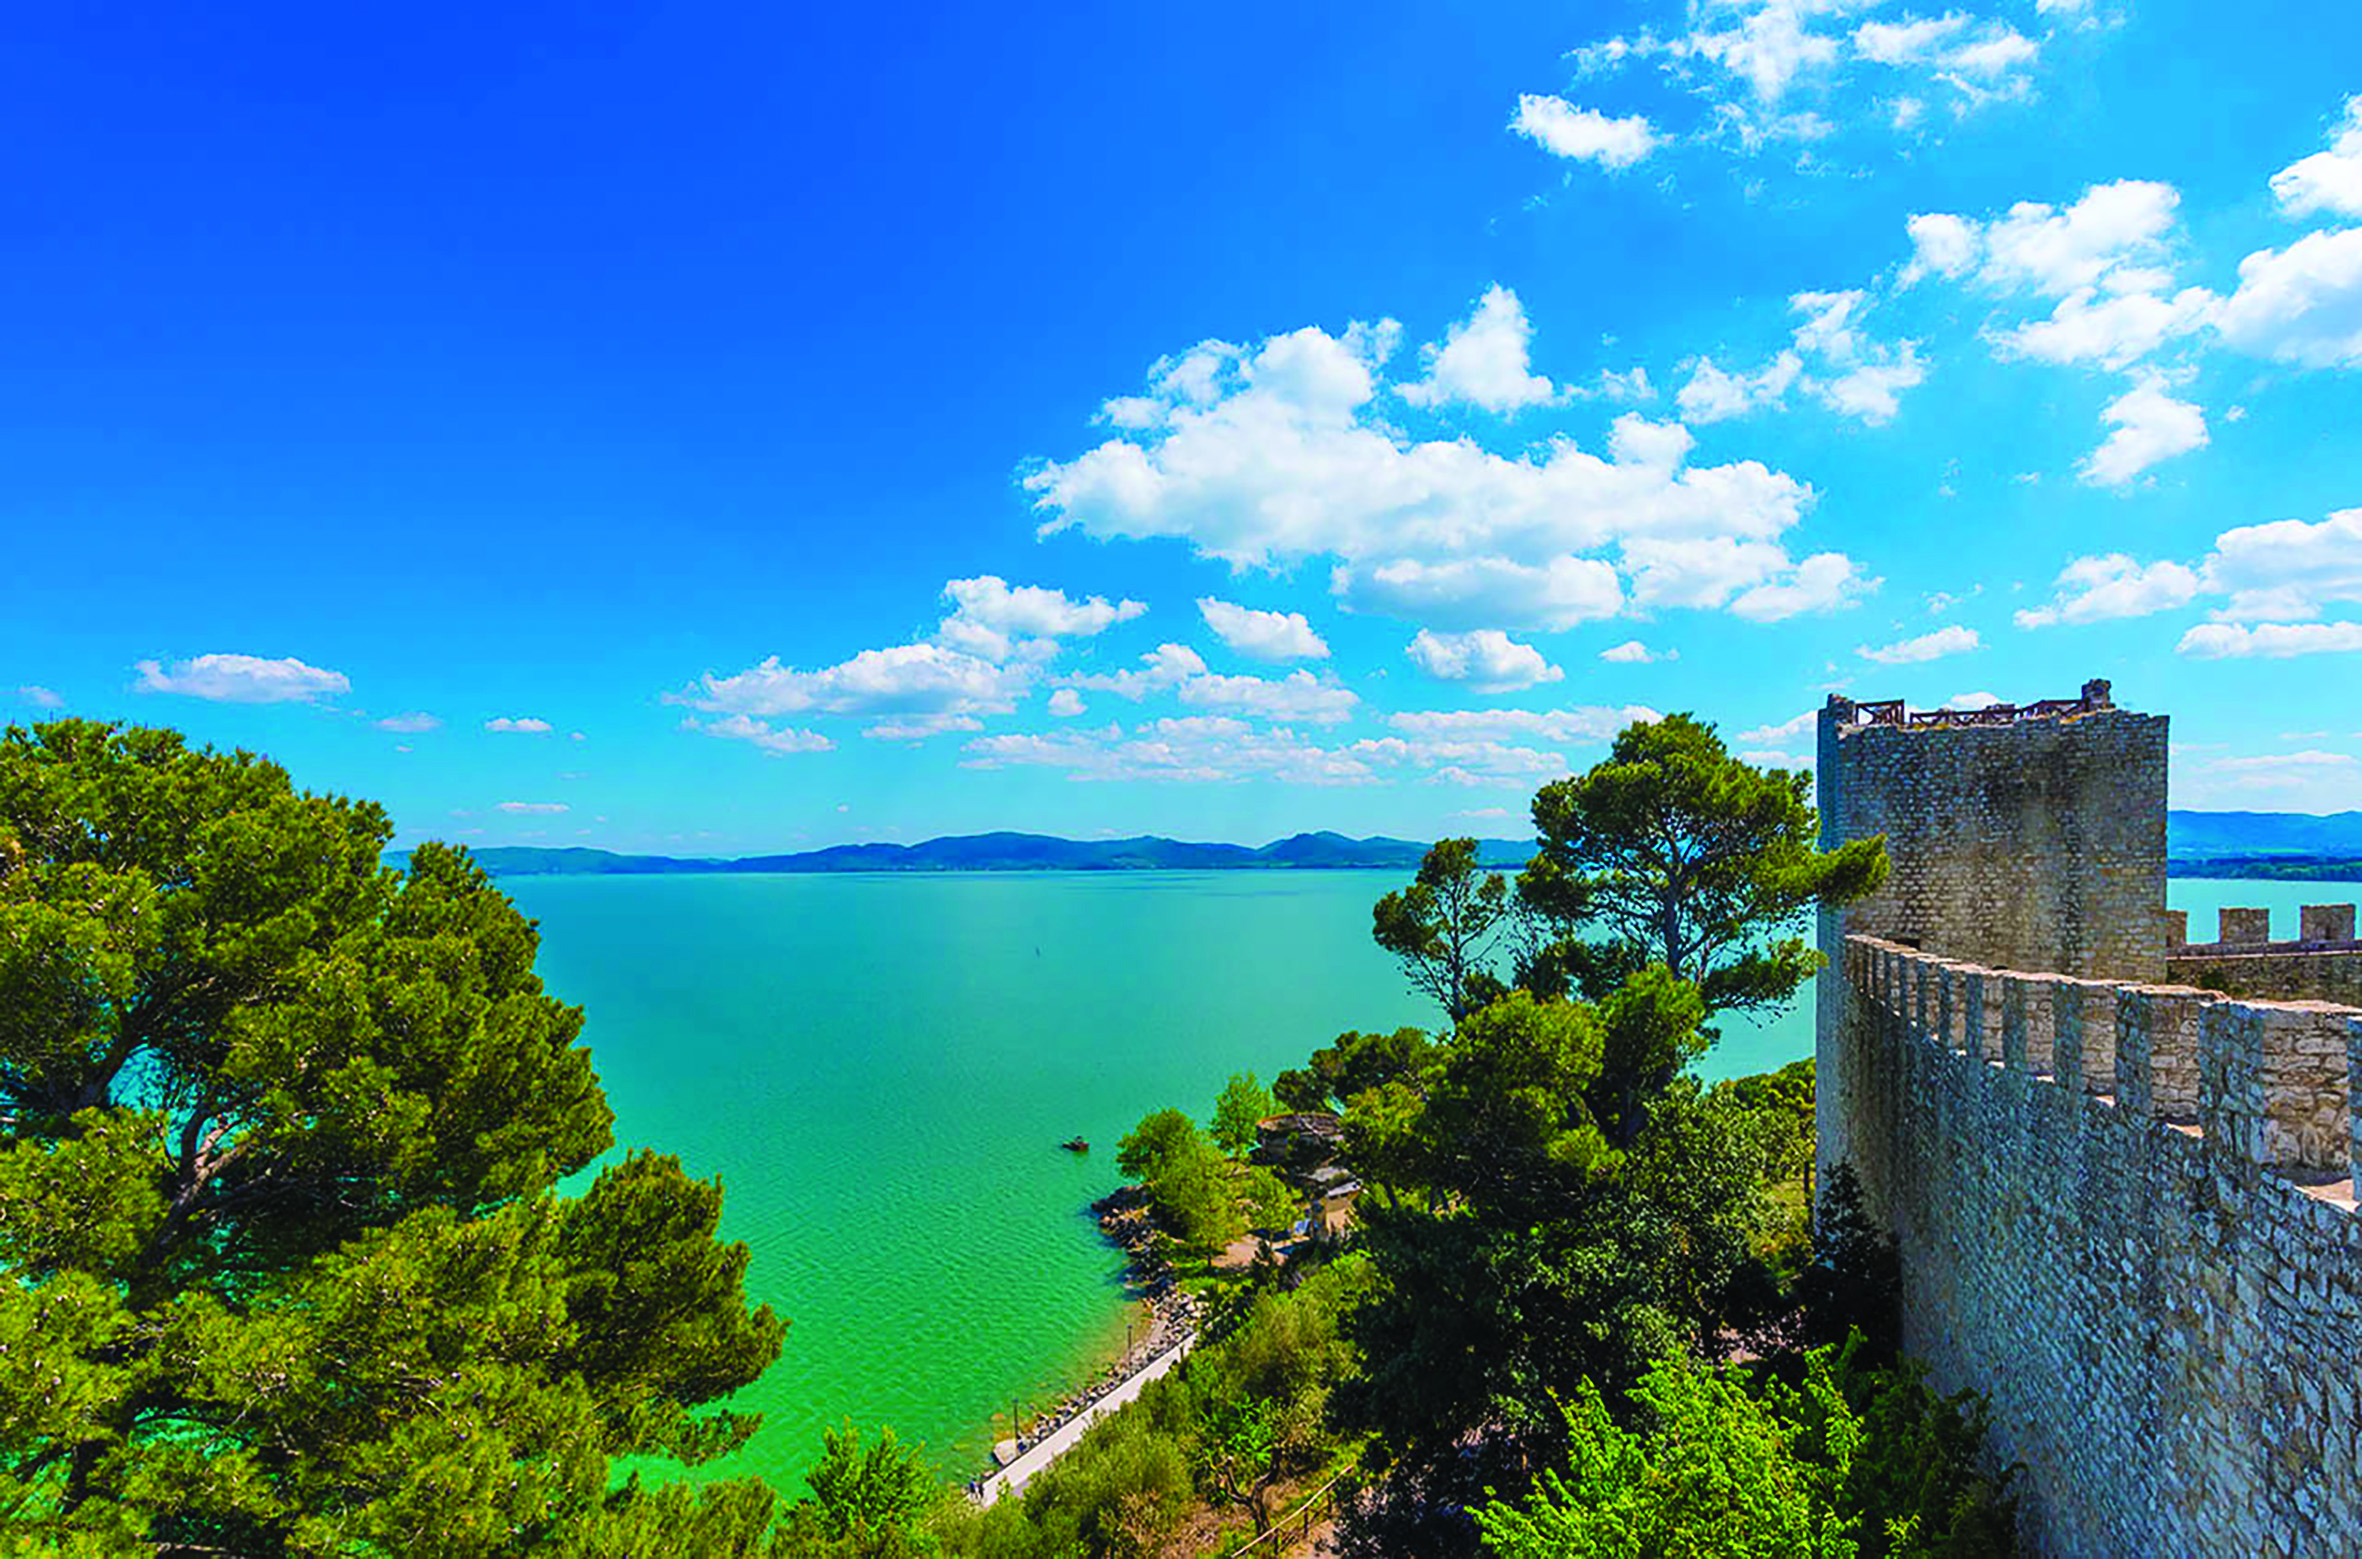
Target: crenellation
{"points": [[2123, 1192], [2243, 927], [2325, 923]]}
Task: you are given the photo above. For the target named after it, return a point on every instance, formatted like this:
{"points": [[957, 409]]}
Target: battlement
{"points": [[2266, 1084], [2021, 836], [1852, 716], [2322, 963], [2119, 1166]]}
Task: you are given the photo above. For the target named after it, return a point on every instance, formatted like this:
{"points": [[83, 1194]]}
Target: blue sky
{"points": [[728, 429]]}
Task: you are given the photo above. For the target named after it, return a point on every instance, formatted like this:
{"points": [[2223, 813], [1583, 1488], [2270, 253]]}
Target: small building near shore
{"points": [[1307, 1137]]}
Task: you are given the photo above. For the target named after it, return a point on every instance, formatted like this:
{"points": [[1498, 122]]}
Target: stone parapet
{"points": [[2126, 1214]]}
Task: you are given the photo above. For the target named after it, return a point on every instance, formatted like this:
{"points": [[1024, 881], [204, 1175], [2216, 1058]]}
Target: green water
{"points": [[2202, 896], [880, 1069]]}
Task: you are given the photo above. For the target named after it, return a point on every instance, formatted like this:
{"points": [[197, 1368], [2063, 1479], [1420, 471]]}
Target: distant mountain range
{"points": [[2210, 836], [1003, 852], [2240, 843]]}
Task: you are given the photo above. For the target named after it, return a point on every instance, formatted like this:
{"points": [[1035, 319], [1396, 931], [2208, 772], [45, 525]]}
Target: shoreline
{"points": [[1166, 1317]]}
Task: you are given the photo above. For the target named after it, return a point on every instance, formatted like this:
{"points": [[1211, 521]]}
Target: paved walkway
{"points": [[1014, 1477]]}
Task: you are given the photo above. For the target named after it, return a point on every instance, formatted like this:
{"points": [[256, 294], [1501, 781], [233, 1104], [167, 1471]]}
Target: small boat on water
{"points": [[1075, 1145]]}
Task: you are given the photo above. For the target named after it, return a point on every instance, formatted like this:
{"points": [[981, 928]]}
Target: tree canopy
{"points": [[1671, 851], [280, 1129], [1443, 926]]}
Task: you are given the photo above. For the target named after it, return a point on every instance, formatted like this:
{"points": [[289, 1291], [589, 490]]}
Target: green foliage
{"points": [[1506, 1118], [1243, 1102], [1192, 1189], [282, 1269], [1338, 1073], [1247, 1411], [866, 1504], [1715, 1472], [1787, 1092], [1264, 1200], [1543, 1257], [1671, 851], [1161, 1135], [1852, 1461], [1443, 926], [1855, 1282], [1919, 1480]]}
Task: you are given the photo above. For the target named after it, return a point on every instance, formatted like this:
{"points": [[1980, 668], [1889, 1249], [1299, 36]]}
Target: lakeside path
{"points": [[1012, 1478]]}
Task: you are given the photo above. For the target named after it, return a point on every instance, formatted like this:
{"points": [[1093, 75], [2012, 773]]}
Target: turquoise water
{"points": [[2202, 896], [880, 1069]]}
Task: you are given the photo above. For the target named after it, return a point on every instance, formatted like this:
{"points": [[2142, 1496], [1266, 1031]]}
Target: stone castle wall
{"points": [[2124, 1207], [2126, 1217], [2324, 963], [2035, 843]]}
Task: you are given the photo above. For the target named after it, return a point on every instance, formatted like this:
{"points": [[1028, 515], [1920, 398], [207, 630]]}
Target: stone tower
{"points": [[2022, 836]]}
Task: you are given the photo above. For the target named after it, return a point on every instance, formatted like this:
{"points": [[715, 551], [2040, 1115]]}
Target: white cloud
{"points": [[908, 680], [2113, 235], [1202, 749], [2330, 180], [992, 619], [411, 724], [1630, 385], [1853, 375], [536, 808], [1584, 723], [241, 679], [1714, 394], [2312, 781], [1910, 40], [527, 726], [1463, 761], [1066, 703], [917, 728], [1941, 245], [2111, 330], [1977, 700], [1821, 583], [1181, 671], [1869, 393], [778, 742], [2149, 426], [1271, 457], [1484, 360], [1297, 696], [2301, 304], [1553, 595], [2288, 568], [40, 697], [1748, 59], [1488, 660], [2271, 641], [1805, 724], [1161, 669], [1584, 134], [1952, 640], [1275, 636], [2096, 589], [1632, 652]]}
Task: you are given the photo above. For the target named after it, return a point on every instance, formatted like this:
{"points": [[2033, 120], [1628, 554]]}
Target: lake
{"points": [[880, 1068]]}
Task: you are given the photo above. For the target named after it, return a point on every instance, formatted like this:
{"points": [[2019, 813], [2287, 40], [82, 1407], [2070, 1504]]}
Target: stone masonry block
{"points": [[2015, 991], [2325, 923], [2177, 928], [2243, 927], [2274, 1085], [2354, 1092]]}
